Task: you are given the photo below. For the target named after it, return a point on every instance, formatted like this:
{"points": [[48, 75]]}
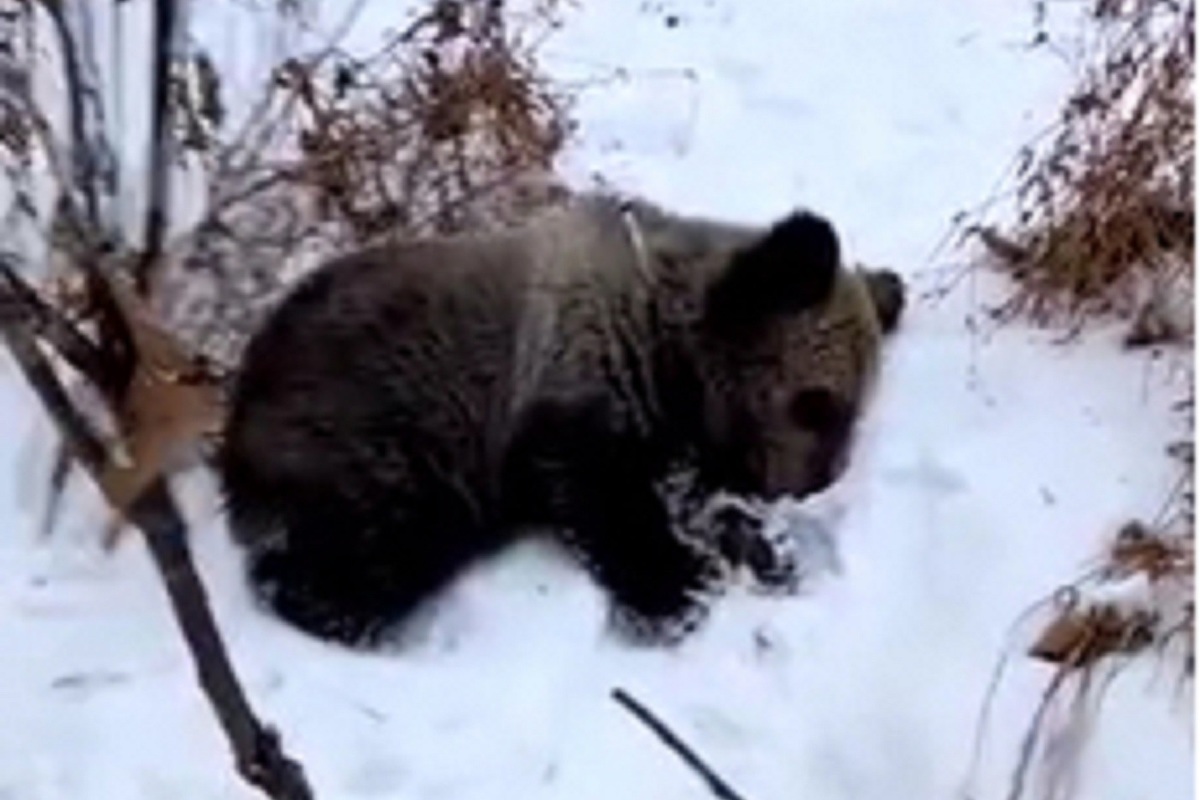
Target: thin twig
{"points": [[1030, 740], [240, 143], [160, 143], [82, 179], [20, 305], [60, 472], [78, 91], [982, 722], [77, 433], [714, 781], [21, 300]]}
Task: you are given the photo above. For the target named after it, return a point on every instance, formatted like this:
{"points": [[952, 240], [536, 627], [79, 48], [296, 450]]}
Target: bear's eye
{"points": [[816, 410]]}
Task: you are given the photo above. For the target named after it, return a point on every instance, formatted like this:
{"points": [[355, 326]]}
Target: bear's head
{"points": [[785, 349]]}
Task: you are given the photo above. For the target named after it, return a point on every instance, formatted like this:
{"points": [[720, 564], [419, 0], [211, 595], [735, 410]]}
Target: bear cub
{"points": [[417, 405]]}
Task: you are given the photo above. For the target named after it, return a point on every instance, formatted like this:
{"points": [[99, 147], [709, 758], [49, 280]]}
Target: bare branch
{"points": [[60, 471], [44, 321], [257, 750], [87, 228], [77, 433], [714, 781], [160, 143], [78, 90]]}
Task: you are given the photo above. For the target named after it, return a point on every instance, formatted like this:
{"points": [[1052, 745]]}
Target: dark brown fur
{"points": [[411, 407]]}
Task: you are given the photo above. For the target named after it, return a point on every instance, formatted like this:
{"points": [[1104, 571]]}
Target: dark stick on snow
{"points": [[82, 440], [21, 305], [19, 301], [260, 757], [257, 751], [715, 783]]}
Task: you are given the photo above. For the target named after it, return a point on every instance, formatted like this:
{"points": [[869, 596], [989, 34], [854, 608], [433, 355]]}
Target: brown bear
{"points": [[418, 405]]}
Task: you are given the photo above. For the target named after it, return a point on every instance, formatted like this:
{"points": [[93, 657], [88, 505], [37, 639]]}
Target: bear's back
{"points": [[427, 349], [393, 352]]}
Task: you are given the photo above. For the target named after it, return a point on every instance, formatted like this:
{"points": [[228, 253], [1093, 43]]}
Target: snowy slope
{"points": [[989, 470]]}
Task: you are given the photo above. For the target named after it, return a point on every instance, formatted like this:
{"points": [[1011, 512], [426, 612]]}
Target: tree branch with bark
{"points": [[136, 367]]}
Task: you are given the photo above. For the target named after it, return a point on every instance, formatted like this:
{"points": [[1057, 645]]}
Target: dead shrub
{"points": [[448, 124], [1105, 221], [1157, 566], [402, 139]]}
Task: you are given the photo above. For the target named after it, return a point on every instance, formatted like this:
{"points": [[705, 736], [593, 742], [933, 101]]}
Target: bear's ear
{"points": [[789, 268], [888, 294]]}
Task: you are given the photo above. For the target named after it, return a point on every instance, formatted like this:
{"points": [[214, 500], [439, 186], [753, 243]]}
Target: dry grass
{"points": [[1080, 634], [1104, 231], [1139, 603], [448, 124], [1105, 200], [402, 139]]}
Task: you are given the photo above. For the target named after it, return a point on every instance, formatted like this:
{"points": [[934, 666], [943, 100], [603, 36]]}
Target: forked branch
{"points": [[256, 747]]}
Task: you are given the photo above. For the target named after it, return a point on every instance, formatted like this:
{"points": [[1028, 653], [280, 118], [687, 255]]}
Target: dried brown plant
{"points": [[1105, 222]]}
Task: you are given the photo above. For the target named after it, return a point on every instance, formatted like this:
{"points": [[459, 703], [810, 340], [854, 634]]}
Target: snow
{"points": [[991, 468]]}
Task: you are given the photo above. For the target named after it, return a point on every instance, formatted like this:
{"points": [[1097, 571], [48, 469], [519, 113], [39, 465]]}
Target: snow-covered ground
{"points": [[989, 470]]}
